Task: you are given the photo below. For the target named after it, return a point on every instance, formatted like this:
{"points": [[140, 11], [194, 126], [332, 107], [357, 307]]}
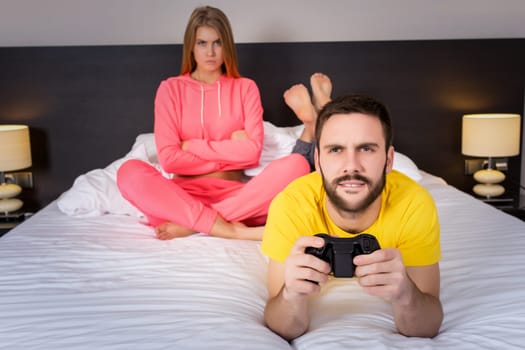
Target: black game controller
{"points": [[340, 252]]}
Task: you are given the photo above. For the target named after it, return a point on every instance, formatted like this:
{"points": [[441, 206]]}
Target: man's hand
{"points": [[289, 285], [383, 273], [413, 291], [304, 272]]}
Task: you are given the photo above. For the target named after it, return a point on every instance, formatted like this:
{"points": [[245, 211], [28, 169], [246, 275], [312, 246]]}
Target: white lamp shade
{"points": [[15, 149], [491, 135]]}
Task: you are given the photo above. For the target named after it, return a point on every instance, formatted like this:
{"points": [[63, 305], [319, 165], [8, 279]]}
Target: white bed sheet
{"points": [[482, 287], [107, 283]]}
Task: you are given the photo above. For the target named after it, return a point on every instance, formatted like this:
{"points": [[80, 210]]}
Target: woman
{"points": [[208, 129]]}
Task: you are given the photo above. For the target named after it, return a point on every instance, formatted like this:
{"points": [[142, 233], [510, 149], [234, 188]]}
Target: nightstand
{"points": [[507, 205], [11, 220], [500, 202], [516, 212], [5, 227]]}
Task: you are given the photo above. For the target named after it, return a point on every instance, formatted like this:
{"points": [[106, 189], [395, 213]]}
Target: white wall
{"points": [[114, 22], [106, 22]]}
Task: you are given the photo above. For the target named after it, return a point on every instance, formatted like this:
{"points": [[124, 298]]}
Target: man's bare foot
{"points": [[298, 99], [170, 230], [321, 90]]}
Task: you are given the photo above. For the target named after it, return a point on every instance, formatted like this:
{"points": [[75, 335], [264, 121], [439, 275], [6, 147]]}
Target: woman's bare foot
{"points": [[221, 228], [321, 90], [254, 233], [236, 230], [298, 99], [170, 230]]}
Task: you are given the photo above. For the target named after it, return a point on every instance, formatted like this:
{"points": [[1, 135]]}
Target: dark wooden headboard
{"points": [[85, 105]]}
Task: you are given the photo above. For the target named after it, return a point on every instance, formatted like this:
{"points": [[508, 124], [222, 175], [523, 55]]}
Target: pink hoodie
{"points": [[206, 115]]}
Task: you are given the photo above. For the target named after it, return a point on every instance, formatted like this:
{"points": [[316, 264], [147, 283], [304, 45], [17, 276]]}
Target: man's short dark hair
{"points": [[356, 104]]}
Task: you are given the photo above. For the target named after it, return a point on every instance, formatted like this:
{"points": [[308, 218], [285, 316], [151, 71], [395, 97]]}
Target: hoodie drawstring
{"points": [[219, 97], [202, 107], [218, 103]]}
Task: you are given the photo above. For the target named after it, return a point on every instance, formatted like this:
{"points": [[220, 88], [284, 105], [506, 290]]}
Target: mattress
{"points": [[106, 282]]}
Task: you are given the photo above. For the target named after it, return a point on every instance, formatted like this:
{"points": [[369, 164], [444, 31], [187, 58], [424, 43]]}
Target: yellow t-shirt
{"points": [[407, 221]]}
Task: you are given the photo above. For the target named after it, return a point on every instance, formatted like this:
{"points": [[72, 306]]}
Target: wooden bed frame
{"points": [[85, 105]]}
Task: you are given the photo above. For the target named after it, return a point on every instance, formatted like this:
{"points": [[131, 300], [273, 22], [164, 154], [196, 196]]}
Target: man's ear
{"points": [[389, 159]]}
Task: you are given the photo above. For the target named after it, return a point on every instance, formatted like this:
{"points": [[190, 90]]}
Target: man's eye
{"points": [[334, 150]]}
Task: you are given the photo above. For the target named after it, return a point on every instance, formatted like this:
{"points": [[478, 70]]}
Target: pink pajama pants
{"points": [[195, 203]]}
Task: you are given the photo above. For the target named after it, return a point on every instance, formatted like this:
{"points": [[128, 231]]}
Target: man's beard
{"points": [[339, 203]]}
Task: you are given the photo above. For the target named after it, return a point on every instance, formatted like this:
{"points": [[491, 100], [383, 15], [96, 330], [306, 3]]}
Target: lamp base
{"points": [[488, 190], [7, 203], [10, 205], [488, 186], [9, 190]]}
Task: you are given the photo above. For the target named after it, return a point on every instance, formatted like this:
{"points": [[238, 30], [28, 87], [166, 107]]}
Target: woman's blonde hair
{"points": [[214, 18]]}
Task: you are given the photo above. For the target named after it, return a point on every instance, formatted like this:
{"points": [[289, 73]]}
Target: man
{"points": [[354, 190]]}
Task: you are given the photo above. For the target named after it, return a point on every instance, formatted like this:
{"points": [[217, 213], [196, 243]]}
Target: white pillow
{"points": [[96, 193], [405, 165], [147, 141], [279, 141]]}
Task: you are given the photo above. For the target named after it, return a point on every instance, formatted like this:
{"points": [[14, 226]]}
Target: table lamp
{"points": [[490, 136], [15, 154]]}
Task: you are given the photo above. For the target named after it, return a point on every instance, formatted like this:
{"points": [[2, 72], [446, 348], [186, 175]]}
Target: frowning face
{"points": [[207, 51], [353, 161]]}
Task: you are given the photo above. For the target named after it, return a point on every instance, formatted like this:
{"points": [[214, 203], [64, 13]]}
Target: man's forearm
{"points": [[287, 317], [422, 317]]}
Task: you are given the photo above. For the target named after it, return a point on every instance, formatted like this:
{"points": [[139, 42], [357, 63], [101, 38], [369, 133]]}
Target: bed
{"points": [[86, 273]]}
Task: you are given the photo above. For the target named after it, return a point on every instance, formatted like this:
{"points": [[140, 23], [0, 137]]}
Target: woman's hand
{"points": [[239, 135]]}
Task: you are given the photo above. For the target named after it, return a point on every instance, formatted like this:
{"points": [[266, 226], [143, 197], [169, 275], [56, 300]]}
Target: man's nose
{"points": [[352, 163]]}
